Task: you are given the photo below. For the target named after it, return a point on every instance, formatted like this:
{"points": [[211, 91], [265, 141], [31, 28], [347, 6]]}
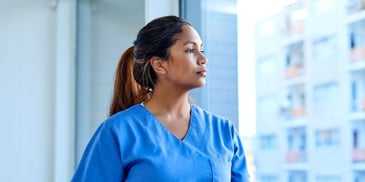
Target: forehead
{"points": [[189, 35]]}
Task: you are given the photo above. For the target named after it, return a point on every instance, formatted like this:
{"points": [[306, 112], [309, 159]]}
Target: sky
{"points": [[248, 15]]}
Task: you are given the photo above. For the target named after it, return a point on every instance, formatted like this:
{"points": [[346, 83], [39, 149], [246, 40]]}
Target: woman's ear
{"points": [[157, 65]]}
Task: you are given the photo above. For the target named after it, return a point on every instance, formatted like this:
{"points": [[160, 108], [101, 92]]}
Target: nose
{"points": [[202, 59]]}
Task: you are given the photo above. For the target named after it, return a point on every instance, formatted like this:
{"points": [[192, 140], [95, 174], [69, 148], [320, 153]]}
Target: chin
{"points": [[200, 85]]}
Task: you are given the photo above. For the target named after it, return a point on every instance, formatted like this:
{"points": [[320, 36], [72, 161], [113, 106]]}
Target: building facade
{"points": [[310, 65]]}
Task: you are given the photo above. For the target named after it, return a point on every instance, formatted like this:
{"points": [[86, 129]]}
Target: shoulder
{"points": [[131, 115], [129, 112]]}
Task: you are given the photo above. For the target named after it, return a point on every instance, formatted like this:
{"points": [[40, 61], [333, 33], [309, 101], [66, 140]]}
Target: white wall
{"points": [[27, 60]]}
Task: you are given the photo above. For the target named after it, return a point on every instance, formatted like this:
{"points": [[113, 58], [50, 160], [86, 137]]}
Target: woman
{"points": [[154, 133]]}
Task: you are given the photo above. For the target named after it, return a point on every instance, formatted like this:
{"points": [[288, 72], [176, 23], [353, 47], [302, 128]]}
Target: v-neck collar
{"points": [[167, 131]]}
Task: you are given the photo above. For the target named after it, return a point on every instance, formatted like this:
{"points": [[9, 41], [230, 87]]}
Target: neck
{"points": [[168, 101]]}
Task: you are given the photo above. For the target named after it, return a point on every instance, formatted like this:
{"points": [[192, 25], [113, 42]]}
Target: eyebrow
{"points": [[192, 42]]}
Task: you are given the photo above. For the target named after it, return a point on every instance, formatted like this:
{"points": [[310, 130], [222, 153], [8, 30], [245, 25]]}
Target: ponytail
{"points": [[127, 91]]}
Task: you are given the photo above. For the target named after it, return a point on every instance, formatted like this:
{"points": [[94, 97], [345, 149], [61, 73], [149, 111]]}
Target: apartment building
{"points": [[310, 71]]}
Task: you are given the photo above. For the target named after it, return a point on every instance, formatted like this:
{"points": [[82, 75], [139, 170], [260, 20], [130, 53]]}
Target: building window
{"points": [[359, 176], [296, 140], [268, 178], [325, 49], [294, 16], [294, 104], [357, 41], [325, 96], [358, 141], [268, 142], [358, 91], [326, 138], [294, 60], [326, 178], [297, 176]]}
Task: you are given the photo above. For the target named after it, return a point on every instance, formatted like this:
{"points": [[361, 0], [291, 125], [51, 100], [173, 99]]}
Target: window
{"points": [[325, 49], [297, 176], [359, 176], [268, 178], [294, 104], [296, 140], [216, 23], [325, 97], [268, 142], [357, 41], [358, 141], [326, 178], [358, 91], [294, 61], [326, 138], [295, 14]]}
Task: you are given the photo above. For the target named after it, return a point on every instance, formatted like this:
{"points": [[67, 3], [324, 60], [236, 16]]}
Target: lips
{"points": [[202, 72]]}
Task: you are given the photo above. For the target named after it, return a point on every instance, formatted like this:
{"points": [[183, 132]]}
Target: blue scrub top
{"points": [[133, 146]]}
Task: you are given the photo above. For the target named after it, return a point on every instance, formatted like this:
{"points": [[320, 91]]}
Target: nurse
{"points": [[154, 133]]}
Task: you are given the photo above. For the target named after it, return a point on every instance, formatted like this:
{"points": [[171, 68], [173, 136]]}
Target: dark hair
{"points": [[135, 77], [155, 39]]}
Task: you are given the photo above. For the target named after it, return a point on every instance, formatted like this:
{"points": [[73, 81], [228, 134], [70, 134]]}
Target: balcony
{"points": [[357, 54], [358, 155], [295, 156]]}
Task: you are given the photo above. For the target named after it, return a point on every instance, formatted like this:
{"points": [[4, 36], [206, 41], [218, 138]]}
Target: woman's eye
{"points": [[193, 51], [190, 51]]}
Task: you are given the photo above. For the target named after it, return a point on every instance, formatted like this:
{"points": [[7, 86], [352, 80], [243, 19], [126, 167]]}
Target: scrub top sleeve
{"points": [[239, 171], [101, 160]]}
